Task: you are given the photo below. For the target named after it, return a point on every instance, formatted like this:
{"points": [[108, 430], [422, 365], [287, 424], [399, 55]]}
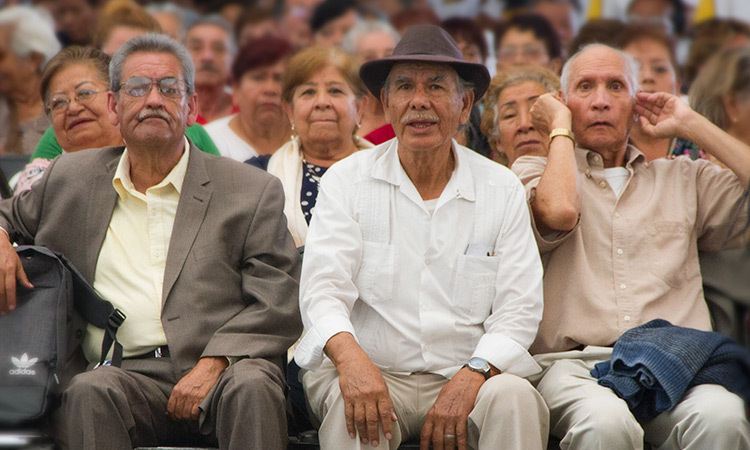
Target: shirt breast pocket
{"points": [[667, 252], [474, 286], [375, 278]]}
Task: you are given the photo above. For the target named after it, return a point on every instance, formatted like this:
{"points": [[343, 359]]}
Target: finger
{"points": [[385, 409], [360, 421], [349, 416], [371, 415], [426, 435], [195, 413], [10, 290], [21, 275], [171, 404], [438, 432], [461, 435], [187, 407]]}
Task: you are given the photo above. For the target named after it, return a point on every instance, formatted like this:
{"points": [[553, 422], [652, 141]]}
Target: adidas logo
{"points": [[23, 363]]}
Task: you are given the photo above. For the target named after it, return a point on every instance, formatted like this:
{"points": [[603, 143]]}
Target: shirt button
{"points": [[619, 251], [426, 262], [626, 318], [617, 214], [622, 286], [157, 253], [602, 184], [153, 212]]}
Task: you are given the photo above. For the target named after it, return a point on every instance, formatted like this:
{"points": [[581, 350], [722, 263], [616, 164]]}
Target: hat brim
{"points": [[374, 73]]}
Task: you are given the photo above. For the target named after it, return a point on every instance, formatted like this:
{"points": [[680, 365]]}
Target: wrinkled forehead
{"points": [[151, 65], [422, 70], [599, 63]]}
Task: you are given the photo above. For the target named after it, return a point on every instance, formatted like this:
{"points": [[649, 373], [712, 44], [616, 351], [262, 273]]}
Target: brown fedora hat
{"points": [[425, 43]]}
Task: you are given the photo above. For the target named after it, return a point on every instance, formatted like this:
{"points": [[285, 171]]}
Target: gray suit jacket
{"points": [[232, 271]]}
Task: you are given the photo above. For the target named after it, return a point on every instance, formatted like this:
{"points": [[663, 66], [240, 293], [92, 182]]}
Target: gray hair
{"points": [[352, 37], [33, 31], [632, 69], [461, 85], [185, 16], [151, 43], [217, 21]]}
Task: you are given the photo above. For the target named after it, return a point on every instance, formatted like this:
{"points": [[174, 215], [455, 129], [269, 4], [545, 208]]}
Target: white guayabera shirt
{"points": [[421, 291]]}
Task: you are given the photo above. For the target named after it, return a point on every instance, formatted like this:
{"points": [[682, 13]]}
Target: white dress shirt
{"points": [[422, 292]]}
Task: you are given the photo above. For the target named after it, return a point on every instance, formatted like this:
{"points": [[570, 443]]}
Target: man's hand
{"points": [[662, 115], [446, 423], [366, 397], [11, 270], [549, 112], [190, 391]]}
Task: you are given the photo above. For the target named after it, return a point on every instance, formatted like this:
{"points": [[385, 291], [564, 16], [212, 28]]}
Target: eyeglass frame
{"points": [[182, 89], [76, 97]]}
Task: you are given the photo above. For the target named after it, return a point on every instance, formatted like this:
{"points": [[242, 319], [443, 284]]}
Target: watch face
{"points": [[479, 364]]}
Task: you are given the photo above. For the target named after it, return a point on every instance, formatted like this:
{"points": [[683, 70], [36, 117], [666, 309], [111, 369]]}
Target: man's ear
{"points": [[467, 103], [385, 103], [192, 109], [112, 108]]}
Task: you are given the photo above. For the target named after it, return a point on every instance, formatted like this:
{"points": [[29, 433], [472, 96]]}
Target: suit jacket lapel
{"points": [[102, 199], [191, 210]]}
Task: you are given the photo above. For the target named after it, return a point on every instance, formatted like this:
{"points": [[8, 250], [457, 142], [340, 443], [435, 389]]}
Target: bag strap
{"points": [[94, 309], [98, 312]]}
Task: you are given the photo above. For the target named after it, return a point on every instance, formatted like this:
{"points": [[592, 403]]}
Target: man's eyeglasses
{"points": [[169, 87], [59, 103]]}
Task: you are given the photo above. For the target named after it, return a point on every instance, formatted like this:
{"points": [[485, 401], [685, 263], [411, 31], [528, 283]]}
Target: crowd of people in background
{"points": [[279, 87]]}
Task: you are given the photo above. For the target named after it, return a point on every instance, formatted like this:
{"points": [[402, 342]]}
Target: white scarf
{"points": [[286, 164]]}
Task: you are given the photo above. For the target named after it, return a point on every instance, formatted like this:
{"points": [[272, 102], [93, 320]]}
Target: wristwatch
{"points": [[479, 365]]}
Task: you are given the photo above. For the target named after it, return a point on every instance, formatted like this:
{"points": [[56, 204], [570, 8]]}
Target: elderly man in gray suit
{"points": [[193, 248]]}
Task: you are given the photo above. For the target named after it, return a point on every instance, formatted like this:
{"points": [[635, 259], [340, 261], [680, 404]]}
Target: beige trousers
{"points": [[508, 413], [586, 415]]}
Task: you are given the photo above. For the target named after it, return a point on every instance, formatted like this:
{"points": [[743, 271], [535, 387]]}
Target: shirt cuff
{"points": [[309, 354], [507, 355]]}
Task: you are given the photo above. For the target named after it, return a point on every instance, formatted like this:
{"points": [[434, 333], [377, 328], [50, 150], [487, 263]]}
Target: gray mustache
{"points": [[152, 113], [419, 116]]}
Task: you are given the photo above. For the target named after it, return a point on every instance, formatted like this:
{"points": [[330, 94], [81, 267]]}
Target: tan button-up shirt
{"points": [[634, 258]]}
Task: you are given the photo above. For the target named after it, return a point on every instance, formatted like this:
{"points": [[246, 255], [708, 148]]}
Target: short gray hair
{"points": [[352, 37], [185, 16], [151, 43], [461, 85], [217, 21], [632, 69], [33, 31]]}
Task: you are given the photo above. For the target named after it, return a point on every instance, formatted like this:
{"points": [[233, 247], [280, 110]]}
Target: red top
{"points": [[382, 134]]}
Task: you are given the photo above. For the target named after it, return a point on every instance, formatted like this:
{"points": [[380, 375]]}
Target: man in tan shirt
{"points": [[619, 239]]}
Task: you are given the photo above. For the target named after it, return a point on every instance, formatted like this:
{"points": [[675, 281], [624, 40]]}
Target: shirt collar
{"points": [[388, 168], [589, 159], [176, 177]]}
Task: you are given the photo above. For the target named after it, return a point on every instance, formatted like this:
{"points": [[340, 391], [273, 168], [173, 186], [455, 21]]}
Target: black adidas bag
{"points": [[34, 337]]}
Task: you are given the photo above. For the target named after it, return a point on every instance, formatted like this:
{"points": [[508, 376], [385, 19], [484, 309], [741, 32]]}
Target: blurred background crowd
{"points": [[248, 64]]}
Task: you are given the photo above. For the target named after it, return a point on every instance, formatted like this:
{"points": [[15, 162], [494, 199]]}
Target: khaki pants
{"points": [[586, 415], [508, 412]]}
